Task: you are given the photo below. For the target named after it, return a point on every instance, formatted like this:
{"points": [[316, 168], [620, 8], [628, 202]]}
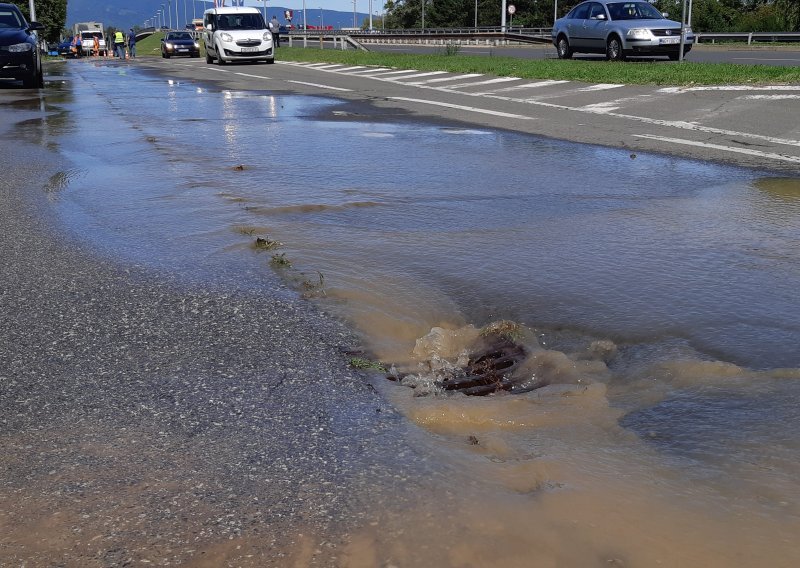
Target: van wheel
{"points": [[209, 59], [219, 57]]}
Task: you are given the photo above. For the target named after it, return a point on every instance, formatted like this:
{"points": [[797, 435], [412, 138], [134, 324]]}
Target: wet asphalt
{"points": [[147, 419]]}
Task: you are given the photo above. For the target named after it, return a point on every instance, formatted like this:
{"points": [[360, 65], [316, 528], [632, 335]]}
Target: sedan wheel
{"points": [[563, 48], [614, 49]]}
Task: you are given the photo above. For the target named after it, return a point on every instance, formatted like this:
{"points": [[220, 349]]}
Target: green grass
{"points": [[598, 71]]}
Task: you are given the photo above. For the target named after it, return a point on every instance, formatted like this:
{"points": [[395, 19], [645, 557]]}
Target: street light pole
{"points": [[423, 15], [354, 13], [32, 10], [370, 15]]}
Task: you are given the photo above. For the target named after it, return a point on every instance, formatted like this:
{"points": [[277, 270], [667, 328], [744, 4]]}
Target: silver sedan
{"points": [[619, 29]]}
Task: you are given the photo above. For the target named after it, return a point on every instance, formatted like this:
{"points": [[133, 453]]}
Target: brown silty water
{"points": [[655, 300]]}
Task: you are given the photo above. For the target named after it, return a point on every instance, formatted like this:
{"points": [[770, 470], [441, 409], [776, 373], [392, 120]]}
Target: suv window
{"points": [[240, 22]]}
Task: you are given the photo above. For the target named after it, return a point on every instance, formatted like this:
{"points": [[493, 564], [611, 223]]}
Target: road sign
{"points": [[511, 9]]}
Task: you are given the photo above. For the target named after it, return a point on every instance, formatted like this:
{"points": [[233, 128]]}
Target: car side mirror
{"points": [[601, 16], [665, 14], [33, 26], [210, 27]]}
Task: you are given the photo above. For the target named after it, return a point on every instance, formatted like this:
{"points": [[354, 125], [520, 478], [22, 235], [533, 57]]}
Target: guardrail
{"points": [[750, 37]]}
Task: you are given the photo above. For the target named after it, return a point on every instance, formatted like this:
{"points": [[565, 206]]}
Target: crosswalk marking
{"points": [[601, 87], [443, 79], [479, 83], [525, 86], [428, 74]]}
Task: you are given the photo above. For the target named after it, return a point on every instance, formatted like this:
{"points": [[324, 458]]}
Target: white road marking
{"points": [[346, 69], [525, 86], [462, 107], [254, 76], [608, 106], [478, 83], [769, 97], [428, 74], [403, 71], [767, 59], [748, 151], [443, 79], [334, 66], [600, 87], [217, 70], [320, 86], [373, 70], [730, 88]]}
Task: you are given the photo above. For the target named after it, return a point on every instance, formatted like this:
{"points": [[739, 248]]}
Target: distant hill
{"points": [[126, 14]]}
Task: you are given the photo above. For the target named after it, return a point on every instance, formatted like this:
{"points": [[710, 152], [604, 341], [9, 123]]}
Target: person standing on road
{"points": [[132, 43], [96, 42], [119, 44], [275, 28]]}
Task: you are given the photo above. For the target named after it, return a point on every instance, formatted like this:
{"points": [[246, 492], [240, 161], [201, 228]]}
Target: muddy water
{"points": [[657, 300]]}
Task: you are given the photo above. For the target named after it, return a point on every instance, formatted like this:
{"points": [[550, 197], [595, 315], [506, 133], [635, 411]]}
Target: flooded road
{"points": [[656, 298]]}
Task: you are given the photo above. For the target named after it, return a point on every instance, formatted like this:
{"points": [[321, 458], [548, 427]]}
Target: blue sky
{"points": [[297, 5]]}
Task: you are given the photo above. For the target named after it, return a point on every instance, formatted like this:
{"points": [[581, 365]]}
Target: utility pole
{"points": [[32, 10]]}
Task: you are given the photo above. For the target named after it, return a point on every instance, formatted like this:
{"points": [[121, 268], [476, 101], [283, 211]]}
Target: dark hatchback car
{"points": [[20, 56], [179, 43]]}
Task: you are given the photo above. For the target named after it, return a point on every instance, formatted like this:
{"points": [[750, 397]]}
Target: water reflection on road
{"points": [[689, 269]]}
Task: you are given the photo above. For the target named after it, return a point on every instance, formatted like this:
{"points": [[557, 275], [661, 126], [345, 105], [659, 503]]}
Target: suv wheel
{"points": [[219, 56]]}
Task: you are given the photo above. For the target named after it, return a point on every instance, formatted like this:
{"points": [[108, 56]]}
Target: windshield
{"points": [[11, 19], [90, 35], [240, 22], [633, 11], [179, 36]]}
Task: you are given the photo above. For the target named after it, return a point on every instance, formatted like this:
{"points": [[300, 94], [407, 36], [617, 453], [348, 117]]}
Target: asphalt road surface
{"points": [[703, 53], [752, 126]]}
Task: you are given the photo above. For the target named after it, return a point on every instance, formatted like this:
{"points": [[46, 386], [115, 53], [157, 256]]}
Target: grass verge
{"points": [[595, 71]]}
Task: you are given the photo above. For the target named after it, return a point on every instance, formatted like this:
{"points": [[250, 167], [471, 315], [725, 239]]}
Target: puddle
{"points": [[639, 284]]}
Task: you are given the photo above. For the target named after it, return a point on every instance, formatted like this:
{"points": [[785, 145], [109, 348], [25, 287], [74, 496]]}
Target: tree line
{"points": [[707, 15], [52, 14]]}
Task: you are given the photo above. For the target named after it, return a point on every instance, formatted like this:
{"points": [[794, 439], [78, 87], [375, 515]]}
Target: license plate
{"points": [[670, 40], [183, 49], [249, 49]]}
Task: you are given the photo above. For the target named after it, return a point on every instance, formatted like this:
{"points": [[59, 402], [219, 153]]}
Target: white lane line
{"points": [[372, 70], [748, 151], [766, 59], [428, 74], [462, 107], [525, 86], [608, 106], [478, 83], [334, 66], [249, 75], [443, 79], [320, 86], [769, 97], [730, 88], [217, 70], [313, 64], [600, 87], [398, 72], [643, 119], [346, 69]]}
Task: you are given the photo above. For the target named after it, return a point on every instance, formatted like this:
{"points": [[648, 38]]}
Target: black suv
{"points": [[20, 57]]}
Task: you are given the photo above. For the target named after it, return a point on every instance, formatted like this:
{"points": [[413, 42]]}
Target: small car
{"points": [[179, 43], [619, 29], [20, 55]]}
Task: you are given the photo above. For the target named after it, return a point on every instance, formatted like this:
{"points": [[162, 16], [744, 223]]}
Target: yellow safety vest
{"points": [[119, 38]]}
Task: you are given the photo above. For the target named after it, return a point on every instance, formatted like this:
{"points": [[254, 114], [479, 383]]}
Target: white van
{"points": [[236, 34]]}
